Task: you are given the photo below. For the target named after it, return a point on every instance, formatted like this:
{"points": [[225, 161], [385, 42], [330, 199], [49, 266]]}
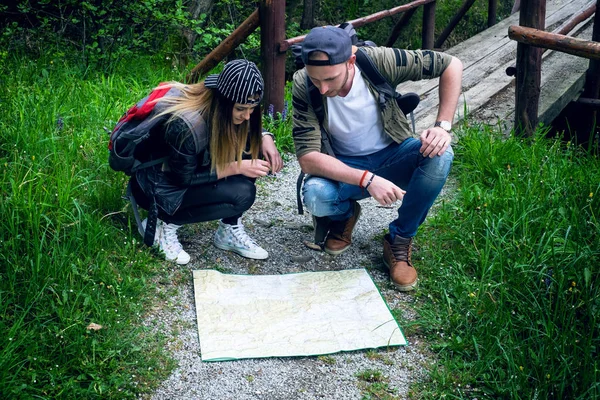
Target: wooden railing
{"points": [[564, 29], [532, 39], [270, 16], [427, 29], [274, 46]]}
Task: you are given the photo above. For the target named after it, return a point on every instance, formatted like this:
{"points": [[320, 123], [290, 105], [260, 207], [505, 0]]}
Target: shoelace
{"points": [[240, 234], [171, 241], [403, 251]]}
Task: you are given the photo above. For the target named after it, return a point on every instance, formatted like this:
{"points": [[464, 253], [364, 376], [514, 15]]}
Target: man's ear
{"points": [[351, 61]]}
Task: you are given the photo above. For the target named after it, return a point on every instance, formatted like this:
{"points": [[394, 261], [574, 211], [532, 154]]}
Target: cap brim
{"points": [[211, 81]]}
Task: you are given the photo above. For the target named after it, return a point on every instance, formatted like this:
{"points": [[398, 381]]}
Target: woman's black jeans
{"points": [[226, 198]]}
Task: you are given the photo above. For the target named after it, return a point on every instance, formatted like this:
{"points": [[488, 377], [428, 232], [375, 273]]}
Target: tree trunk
{"points": [[308, 14], [196, 8]]}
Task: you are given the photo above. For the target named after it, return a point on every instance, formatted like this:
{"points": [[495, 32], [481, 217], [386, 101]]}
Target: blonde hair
{"points": [[228, 142]]}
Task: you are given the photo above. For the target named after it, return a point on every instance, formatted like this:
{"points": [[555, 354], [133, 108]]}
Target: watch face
{"points": [[445, 125]]}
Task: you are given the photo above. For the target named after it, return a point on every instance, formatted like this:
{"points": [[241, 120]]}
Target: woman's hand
{"points": [[271, 154], [254, 168], [250, 168]]}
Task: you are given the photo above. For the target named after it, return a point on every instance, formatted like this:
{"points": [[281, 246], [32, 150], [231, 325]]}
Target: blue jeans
{"points": [[402, 164]]}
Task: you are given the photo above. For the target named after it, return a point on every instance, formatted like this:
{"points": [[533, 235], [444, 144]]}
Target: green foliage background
{"points": [[101, 34]]}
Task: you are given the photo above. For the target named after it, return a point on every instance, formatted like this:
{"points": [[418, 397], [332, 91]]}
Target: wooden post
{"points": [[240, 34], [272, 33], [453, 22], [529, 62], [399, 26], [592, 76], [591, 90], [428, 26], [492, 12]]}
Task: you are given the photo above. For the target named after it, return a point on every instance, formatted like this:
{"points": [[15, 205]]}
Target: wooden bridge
{"points": [[488, 94]]}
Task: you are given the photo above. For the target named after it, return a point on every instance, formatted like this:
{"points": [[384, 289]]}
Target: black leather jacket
{"points": [[186, 143]]}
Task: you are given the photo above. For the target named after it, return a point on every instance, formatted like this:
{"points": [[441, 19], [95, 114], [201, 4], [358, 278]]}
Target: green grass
{"points": [[509, 296], [374, 385], [69, 252], [68, 257]]}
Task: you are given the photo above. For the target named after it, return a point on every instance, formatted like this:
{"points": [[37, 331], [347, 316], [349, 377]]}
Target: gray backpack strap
{"points": [[149, 232], [316, 101], [407, 102]]}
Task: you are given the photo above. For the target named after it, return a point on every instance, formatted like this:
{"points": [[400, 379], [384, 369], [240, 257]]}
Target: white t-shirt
{"points": [[355, 122]]}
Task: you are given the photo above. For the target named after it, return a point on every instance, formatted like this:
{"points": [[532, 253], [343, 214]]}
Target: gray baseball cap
{"points": [[331, 40], [239, 81]]}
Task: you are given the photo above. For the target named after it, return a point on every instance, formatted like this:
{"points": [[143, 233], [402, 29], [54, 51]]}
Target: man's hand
{"points": [[271, 154], [384, 191], [434, 142]]}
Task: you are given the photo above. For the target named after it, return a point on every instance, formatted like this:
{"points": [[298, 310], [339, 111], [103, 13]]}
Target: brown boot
{"points": [[396, 257], [339, 237]]}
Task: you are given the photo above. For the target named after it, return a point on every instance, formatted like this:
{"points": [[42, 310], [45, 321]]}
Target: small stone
{"points": [[301, 259], [262, 222], [312, 246]]}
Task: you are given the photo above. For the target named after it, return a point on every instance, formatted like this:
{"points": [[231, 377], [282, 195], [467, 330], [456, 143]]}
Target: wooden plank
{"points": [[480, 52], [484, 56], [477, 47], [592, 79], [482, 94], [563, 79], [562, 73]]}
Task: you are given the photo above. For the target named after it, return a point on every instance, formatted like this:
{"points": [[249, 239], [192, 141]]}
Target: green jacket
{"points": [[394, 64]]}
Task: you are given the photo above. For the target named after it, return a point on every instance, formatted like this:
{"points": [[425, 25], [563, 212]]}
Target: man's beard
{"points": [[333, 93]]}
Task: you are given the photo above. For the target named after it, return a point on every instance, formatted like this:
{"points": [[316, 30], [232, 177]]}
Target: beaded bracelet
{"points": [[370, 180]]}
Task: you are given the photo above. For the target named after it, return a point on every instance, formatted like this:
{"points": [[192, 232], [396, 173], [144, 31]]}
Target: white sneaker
{"points": [[235, 238], [157, 232], [165, 238], [169, 244]]}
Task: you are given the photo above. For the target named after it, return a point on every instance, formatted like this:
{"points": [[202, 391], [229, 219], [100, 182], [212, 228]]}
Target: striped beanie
{"points": [[239, 81]]}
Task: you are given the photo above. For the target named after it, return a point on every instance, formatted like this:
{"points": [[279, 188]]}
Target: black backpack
{"points": [[133, 140], [132, 132]]}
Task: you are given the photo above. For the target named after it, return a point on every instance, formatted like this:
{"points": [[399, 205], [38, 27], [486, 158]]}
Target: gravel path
{"points": [[274, 222]]}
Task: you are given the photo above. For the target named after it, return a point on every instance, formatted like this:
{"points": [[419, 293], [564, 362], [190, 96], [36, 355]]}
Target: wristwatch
{"points": [[445, 125], [265, 133]]}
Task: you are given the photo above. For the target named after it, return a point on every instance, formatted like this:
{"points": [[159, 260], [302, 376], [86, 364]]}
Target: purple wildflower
{"points": [[60, 123], [271, 110], [285, 111]]}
